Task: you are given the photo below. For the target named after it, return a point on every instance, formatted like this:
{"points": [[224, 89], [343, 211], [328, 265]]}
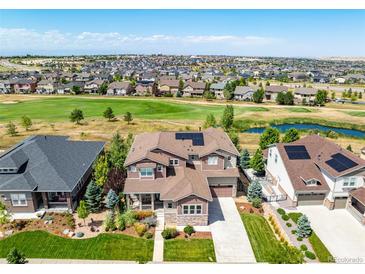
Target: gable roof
{"points": [[276, 89], [53, 163], [241, 90]]}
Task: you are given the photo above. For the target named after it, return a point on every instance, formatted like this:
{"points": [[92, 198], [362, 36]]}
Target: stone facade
{"points": [[194, 220], [170, 218], [327, 203]]}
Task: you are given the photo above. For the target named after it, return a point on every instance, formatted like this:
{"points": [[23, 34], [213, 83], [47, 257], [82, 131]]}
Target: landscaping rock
{"points": [[66, 231], [1, 234], [71, 234], [9, 232], [79, 234]]}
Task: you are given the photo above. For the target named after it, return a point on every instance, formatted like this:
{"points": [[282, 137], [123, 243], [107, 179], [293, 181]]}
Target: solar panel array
{"points": [[297, 152], [340, 162], [197, 138]]}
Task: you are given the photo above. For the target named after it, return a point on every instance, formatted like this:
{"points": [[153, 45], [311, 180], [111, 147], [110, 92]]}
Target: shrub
{"points": [[288, 224], [150, 221], [109, 222], [129, 218], [256, 202], [300, 239], [140, 228], [189, 230], [254, 191], [148, 235], [141, 214], [169, 233], [281, 211], [15, 257], [303, 247], [310, 255], [285, 217], [70, 220], [293, 231], [4, 217], [119, 221]]}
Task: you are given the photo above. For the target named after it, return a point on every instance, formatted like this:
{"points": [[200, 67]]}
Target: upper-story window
{"points": [[174, 162], [213, 160], [349, 181], [276, 158], [146, 172], [132, 168], [270, 153], [18, 200], [159, 168]]}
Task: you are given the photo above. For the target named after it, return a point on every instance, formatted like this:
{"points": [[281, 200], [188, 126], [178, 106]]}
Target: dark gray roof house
{"points": [[46, 171]]}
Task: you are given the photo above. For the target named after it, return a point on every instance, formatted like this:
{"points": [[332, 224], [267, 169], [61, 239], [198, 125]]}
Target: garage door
{"points": [[221, 191], [310, 199], [340, 202]]}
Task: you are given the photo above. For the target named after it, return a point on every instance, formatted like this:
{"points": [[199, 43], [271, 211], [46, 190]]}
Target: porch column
{"points": [[140, 201], [45, 200], [127, 201], [153, 201], [69, 201]]}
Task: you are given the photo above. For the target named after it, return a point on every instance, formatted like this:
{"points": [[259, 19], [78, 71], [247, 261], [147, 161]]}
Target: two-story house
{"points": [[181, 173], [45, 87], [119, 88], [315, 171]]}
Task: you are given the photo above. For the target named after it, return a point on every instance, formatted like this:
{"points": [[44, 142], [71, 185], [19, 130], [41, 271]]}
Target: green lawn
{"points": [[299, 109], [53, 109], [264, 243], [195, 250], [356, 113], [40, 244]]}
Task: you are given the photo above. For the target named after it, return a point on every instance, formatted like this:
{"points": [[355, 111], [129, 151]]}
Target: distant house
{"points": [[46, 87], [5, 87], [83, 77], [119, 88], [243, 93], [308, 94], [145, 89], [297, 76], [272, 91], [194, 89], [168, 86], [46, 173], [24, 85], [92, 87], [218, 89]]}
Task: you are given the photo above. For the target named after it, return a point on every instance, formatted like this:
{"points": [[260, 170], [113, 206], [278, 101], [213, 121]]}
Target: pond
{"points": [[284, 127]]}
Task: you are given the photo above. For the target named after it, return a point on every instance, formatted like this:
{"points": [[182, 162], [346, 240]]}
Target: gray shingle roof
{"points": [[53, 163]]}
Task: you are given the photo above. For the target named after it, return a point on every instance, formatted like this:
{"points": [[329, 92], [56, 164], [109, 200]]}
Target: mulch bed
{"points": [[248, 208], [130, 231], [195, 235]]}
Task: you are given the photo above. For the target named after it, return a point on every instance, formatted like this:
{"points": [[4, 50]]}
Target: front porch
{"points": [[57, 201], [144, 201]]}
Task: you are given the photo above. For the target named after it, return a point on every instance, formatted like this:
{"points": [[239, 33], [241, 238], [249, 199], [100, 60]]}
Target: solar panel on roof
{"points": [[296, 152], [197, 138], [340, 162]]}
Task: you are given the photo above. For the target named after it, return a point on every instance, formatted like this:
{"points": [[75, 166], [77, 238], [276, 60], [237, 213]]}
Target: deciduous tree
{"points": [[76, 116], [268, 137], [26, 122]]}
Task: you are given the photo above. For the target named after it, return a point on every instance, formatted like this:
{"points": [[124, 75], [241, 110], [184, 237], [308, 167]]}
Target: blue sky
{"points": [[310, 33]]}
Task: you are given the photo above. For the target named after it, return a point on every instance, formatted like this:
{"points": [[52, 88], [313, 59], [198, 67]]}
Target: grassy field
{"points": [[356, 113], [195, 250], [40, 244]]}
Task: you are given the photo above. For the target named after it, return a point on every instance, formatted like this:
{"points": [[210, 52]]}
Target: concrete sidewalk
{"points": [[159, 240]]}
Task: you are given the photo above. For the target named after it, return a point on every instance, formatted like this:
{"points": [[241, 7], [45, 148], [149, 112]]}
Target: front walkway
{"points": [[231, 242], [159, 241]]}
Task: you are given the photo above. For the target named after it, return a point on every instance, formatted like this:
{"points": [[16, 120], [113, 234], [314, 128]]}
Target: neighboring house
{"points": [[194, 89], [272, 91], [46, 172], [24, 85], [181, 172], [45, 87], [243, 93], [145, 89], [168, 86], [83, 77], [119, 88], [297, 76], [92, 87], [340, 80], [315, 171], [308, 94], [5, 87], [218, 89], [356, 204]]}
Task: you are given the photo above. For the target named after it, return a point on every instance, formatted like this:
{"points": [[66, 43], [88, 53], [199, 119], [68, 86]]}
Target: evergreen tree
{"points": [[93, 197], [178, 94], [333, 95], [291, 135], [128, 117], [245, 159], [11, 129], [16, 257], [101, 170], [254, 191], [108, 113], [76, 116], [258, 95], [103, 88], [257, 162], [268, 137], [181, 85], [210, 121], [112, 199], [26, 122], [228, 117], [82, 211], [304, 229]]}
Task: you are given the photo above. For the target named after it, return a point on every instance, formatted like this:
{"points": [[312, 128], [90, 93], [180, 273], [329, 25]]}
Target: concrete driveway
{"points": [[339, 231], [231, 242]]}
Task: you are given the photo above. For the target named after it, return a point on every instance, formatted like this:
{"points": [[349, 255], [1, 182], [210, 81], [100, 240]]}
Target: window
{"points": [[213, 160], [132, 168], [229, 158], [346, 181], [270, 153], [352, 181], [174, 162], [146, 172], [192, 209], [159, 168], [312, 182], [193, 157], [18, 200], [169, 205], [276, 158]]}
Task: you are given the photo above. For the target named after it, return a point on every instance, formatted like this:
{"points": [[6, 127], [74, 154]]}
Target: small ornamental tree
{"points": [[108, 114], [254, 191], [257, 162], [210, 121], [93, 197], [321, 97], [112, 199], [245, 159], [181, 85], [11, 129], [258, 95], [16, 257], [26, 122], [82, 211], [128, 117], [101, 170], [76, 116], [291, 135], [304, 229], [349, 148], [227, 118], [103, 88], [268, 137]]}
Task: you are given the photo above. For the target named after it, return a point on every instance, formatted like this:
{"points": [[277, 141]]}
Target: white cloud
{"points": [[23, 40]]}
